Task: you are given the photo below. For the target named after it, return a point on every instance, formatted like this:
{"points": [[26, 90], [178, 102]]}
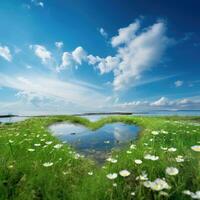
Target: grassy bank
{"points": [[35, 165]]}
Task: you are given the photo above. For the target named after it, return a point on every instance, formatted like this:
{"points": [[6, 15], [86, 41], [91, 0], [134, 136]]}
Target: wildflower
{"points": [[10, 141], [112, 160], [114, 184], [128, 152], [31, 150], [138, 162], [172, 171], [90, 173], [133, 146], [142, 177], [37, 145], [57, 146], [195, 195], [154, 132], [112, 176], [107, 142], [147, 184], [164, 132], [164, 148], [196, 148], [10, 166], [124, 173], [172, 149], [151, 157], [162, 193], [65, 173], [179, 159], [48, 142], [77, 156], [132, 193], [47, 164], [187, 192], [157, 185]]}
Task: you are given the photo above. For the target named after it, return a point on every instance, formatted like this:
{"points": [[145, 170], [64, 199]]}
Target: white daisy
{"points": [[58, 146], [90, 173], [31, 150], [196, 148], [124, 173], [138, 162], [112, 176], [172, 171], [47, 164], [151, 157]]}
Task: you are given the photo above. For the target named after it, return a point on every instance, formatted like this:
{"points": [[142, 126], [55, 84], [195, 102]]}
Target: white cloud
{"points": [[71, 59], [41, 52], [59, 44], [140, 54], [125, 34], [178, 83], [103, 32], [93, 60], [5, 53], [108, 64], [137, 51], [163, 101], [34, 89], [38, 3], [79, 55]]}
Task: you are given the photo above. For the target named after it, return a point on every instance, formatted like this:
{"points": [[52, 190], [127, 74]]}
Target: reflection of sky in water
{"points": [[102, 140], [12, 119]]}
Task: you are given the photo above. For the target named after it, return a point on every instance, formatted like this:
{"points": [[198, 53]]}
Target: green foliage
{"points": [[26, 146]]}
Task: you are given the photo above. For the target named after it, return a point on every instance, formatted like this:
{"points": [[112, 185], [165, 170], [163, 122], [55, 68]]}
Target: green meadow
{"points": [[163, 163]]}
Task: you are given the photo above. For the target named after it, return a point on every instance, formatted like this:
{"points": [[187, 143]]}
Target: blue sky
{"points": [[81, 56]]}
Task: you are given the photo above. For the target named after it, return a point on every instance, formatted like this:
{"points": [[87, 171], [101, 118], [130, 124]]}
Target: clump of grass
{"points": [[36, 165]]}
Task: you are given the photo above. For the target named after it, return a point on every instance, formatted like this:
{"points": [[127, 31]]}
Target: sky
{"points": [[74, 56]]}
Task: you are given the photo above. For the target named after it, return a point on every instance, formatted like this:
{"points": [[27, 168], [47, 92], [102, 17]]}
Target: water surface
{"points": [[11, 119], [95, 144]]}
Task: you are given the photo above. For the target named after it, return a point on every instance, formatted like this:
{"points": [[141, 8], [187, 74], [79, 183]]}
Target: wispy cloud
{"points": [[178, 83], [43, 89], [103, 32], [5, 53]]}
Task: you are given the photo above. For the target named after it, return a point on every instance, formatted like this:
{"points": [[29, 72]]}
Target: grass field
{"points": [[163, 163]]}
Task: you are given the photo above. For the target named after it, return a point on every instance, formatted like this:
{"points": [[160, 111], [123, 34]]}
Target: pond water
{"points": [[12, 119], [96, 144]]}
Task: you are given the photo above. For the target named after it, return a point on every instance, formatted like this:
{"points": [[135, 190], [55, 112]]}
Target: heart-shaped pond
{"points": [[95, 144]]}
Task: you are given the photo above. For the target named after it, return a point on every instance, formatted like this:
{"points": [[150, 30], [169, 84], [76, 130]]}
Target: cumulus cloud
{"points": [[125, 34], [138, 50], [139, 54], [178, 83], [79, 55], [103, 32], [5, 53], [161, 103], [108, 64], [42, 53], [74, 58]]}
